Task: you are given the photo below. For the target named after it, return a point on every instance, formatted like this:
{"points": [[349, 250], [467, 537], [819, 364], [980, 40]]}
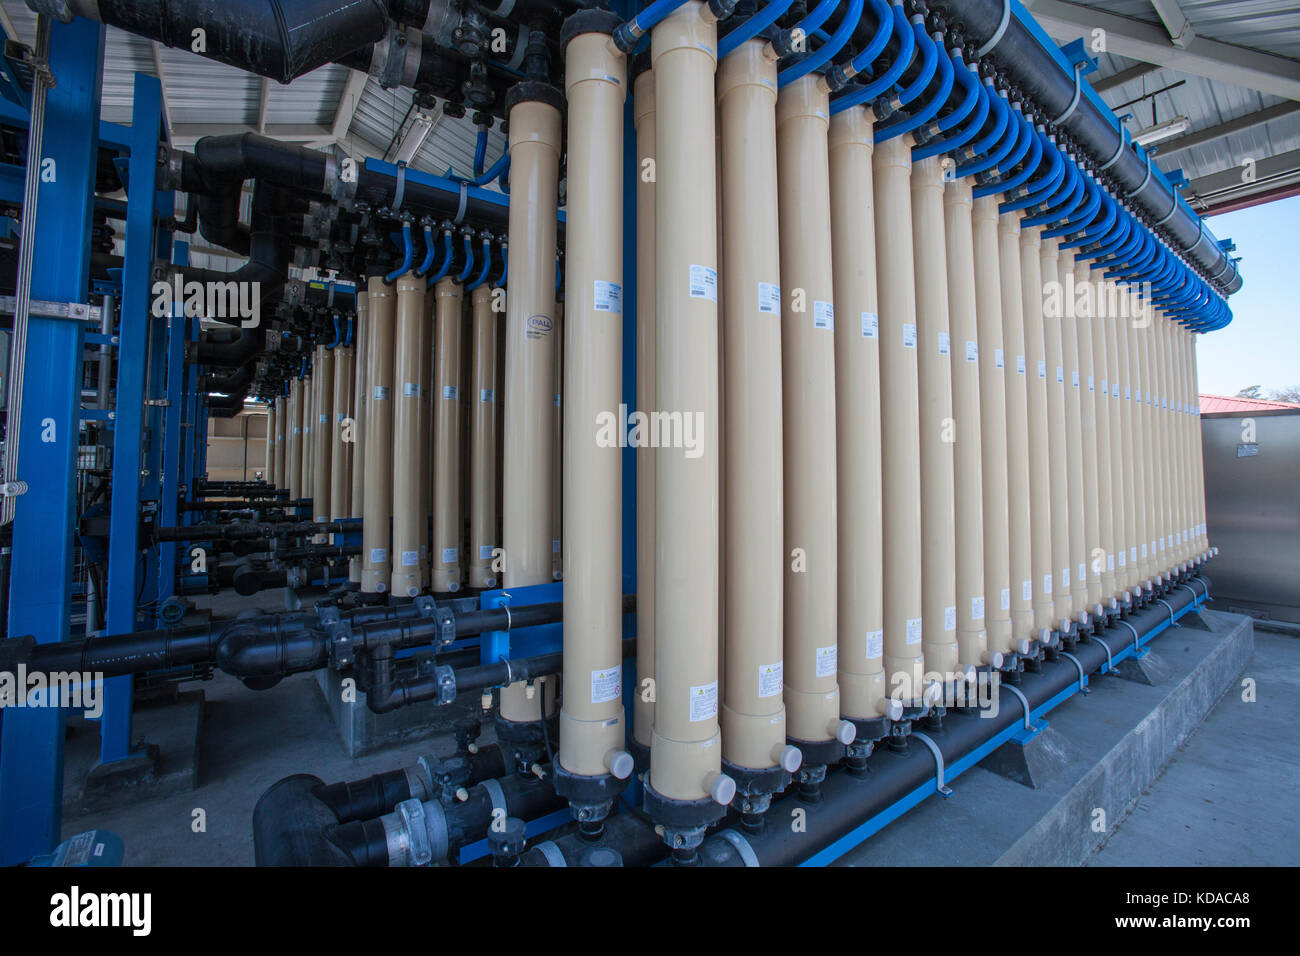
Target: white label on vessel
{"points": [[1065, 578], [1047, 584], [875, 644], [769, 298], [1020, 364], [606, 684], [999, 361], [1075, 379], [381, 393], [945, 343], [410, 558], [378, 555], [704, 701], [555, 546], [770, 679], [870, 325], [1083, 573], [487, 395], [914, 631], [823, 315], [449, 555], [972, 351], [1060, 375], [950, 618], [411, 389], [704, 285], [450, 392], [827, 659], [485, 552], [608, 297], [1042, 369], [1110, 562], [1026, 590], [1091, 387], [909, 336], [977, 608]]}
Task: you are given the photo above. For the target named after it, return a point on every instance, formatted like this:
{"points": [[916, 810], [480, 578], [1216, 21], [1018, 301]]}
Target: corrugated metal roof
{"points": [[1272, 26], [1212, 404]]}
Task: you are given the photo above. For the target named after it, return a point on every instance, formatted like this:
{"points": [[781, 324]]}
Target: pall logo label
{"points": [[540, 323]]}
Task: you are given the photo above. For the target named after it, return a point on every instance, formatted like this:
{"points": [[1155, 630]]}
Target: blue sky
{"points": [[1262, 345]]}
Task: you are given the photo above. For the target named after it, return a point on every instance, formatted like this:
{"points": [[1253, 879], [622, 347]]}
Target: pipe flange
{"points": [[752, 783], [530, 91], [419, 848], [681, 818], [590, 797], [589, 21]]}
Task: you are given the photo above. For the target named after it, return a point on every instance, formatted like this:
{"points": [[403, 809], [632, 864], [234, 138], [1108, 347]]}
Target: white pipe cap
{"points": [[722, 789], [620, 763], [893, 708], [845, 732], [1045, 635], [790, 758], [996, 659], [1023, 645]]}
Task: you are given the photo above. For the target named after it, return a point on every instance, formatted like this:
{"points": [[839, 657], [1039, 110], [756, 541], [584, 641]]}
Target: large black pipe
{"points": [[230, 350], [1035, 70]]}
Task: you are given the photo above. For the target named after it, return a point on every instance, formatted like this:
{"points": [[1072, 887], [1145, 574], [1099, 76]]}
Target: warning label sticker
{"points": [[608, 296], [950, 618], [977, 608], [704, 285], [875, 644], [769, 298], [770, 678], [914, 631], [378, 555], [606, 684], [909, 336], [410, 558], [823, 315], [870, 325], [827, 661], [704, 701], [449, 555]]}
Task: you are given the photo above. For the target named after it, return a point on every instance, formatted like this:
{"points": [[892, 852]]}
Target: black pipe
{"points": [[1032, 68], [216, 352], [271, 38]]}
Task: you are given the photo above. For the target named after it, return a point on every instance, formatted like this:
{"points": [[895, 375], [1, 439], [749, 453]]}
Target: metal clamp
{"points": [[742, 847], [1078, 92], [399, 193], [464, 203], [998, 33], [1024, 702], [1145, 180], [1187, 588], [1172, 621], [1118, 152], [552, 853], [418, 848], [1083, 678], [939, 785], [1110, 661], [1137, 641], [497, 795]]}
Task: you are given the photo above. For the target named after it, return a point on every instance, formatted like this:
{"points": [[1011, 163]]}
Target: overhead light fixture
{"points": [[1163, 131]]}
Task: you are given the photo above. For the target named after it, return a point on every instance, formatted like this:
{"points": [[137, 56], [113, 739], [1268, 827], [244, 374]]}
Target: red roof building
{"points": [[1210, 404]]}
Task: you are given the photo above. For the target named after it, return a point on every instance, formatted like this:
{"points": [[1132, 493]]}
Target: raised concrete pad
{"points": [[1034, 762], [1121, 736], [361, 731], [167, 733]]}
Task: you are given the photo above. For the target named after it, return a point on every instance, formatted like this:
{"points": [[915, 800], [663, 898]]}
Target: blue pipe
{"points": [[336, 343], [843, 33], [752, 27], [1000, 180], [482, 275], [985, 155], [1031, 143], [430, 248], [907, 46], [1039, 189], [505, 267], [469, 261], [943, 65], [406, 261], [480, 151], [980, 111], [446, 258], [628, 33]]}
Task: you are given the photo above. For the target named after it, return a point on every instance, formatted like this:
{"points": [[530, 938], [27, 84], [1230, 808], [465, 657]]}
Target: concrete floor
{"points": [[1229, 797]]}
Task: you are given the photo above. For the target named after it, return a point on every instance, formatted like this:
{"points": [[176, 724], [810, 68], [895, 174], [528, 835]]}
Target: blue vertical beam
{"points": [[628, 9], [173, 465], [124, 572], [31, 757]]}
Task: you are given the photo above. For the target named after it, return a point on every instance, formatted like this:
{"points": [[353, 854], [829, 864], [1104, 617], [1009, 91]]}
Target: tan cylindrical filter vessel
{"points": [[591, 721], [644, 114], [557, 460], [1101, 405], [1118, 504], [972, 638], [408, 506], [1139, 338], [356, 504], [1128, 438], [293, 440], [685, 759], [1198, 460], [753, 713], [341, 450], [808, 380], [377, 503], [1040, 479], [306, 416], [993, 426], [484, 536], [1096, 558], [268, 469], [937, 426], [1018, 504], [425, 497], [529, 427], [322, 432], [900, 418], [448, 527], [1078, 580], [1058, 448], [860, 595], [281, 446]]}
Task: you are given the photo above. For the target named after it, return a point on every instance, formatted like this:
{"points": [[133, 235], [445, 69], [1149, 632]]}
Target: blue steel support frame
{"points": [[173, 462], [124, 572], [31, 755]]}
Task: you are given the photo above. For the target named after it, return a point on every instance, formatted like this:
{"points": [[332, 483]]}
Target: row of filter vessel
{"points": [[929, 438], [425, 367]]}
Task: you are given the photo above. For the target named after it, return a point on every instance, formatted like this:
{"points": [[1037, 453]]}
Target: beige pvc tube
{"points": [[1036, 384], [278, 436], [1020, 550], [377, 503], [293, 440], [340, 450], [972, 638], [1096, 558], [937, 426], [1128, 438], [644, 117], [993, 426], [808, 396], [425, 497], [1118, 503], [1059, 456], [356, 504], [685, 758], [306, 417], [1198, 460], [483, 532], [1078, 567], [268, 469], [1160, 442], [322, 432], [529, 427], [557, 459], [860, 595], [448, 528], [753, 713], [1185, 464], [1101, 406], [408, 448], [591, 721], [1141, 342]]}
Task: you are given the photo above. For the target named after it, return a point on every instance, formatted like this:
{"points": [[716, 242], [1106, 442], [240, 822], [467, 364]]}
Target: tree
{"points": [[1289, 395], [1254, 391]]}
